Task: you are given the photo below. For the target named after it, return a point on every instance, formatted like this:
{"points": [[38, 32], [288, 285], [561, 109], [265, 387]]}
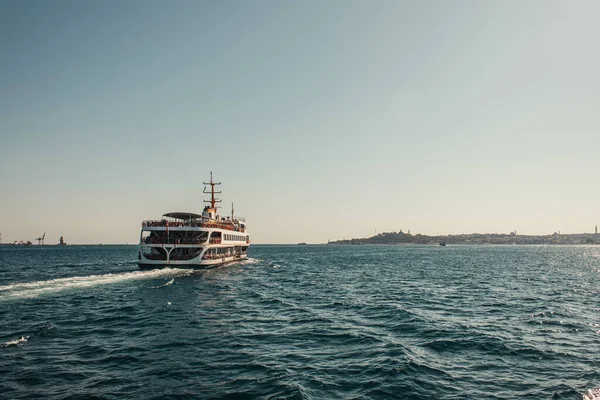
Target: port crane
{"points": [[40, 240]]}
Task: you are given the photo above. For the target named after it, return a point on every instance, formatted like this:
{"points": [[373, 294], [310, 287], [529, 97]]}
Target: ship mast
{"points": [[212, 192]]}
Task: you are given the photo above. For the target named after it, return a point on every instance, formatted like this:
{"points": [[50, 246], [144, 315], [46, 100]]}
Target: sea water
{"points": [[302, 322]]}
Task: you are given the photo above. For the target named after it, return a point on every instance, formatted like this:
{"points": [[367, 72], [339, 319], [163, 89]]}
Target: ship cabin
{"points": [[184, 236]]}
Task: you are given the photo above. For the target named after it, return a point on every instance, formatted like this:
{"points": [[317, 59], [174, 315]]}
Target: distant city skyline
{"points": [[323, 120]]}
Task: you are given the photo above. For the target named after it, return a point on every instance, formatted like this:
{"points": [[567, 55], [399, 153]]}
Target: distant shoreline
{"points": [[66, 245], [476, 238], [400, 238]]}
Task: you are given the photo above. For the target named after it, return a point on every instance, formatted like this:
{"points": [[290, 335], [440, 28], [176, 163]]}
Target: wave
{"points": [[35, 289], [248, 261], [20, 340], [164, 285]]}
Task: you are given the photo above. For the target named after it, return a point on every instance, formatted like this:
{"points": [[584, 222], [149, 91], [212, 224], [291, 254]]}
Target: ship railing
{"points": [[209, 256], [194, 224], [156, 257], [173, 241]]}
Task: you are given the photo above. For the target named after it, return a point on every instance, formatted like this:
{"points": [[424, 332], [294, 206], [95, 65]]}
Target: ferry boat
{"points": [[189, 240]]}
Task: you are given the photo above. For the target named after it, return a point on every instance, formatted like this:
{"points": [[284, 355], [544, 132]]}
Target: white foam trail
{"points": [[20, 340], [248, 261], [592, 394], [35, 289], [166, 284]]}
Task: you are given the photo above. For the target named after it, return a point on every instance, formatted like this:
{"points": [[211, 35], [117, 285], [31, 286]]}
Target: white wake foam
{"points": [[35, 289], [164, 285], [20, 340], [248, 261], [592, 394]]}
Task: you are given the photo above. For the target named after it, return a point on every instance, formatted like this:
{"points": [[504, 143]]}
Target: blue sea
{"points": [[302, 322]]}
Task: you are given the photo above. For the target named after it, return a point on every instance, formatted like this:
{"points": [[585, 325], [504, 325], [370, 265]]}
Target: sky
{"points": [[324, 120]]}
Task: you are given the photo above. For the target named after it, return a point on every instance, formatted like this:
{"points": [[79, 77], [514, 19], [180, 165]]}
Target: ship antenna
{"points": [[212, 192], [232, 211]]}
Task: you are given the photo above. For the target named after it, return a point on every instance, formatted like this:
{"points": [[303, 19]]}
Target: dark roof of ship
{"points": [[182, 215]]}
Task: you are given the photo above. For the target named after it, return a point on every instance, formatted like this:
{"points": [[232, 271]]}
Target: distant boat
{"points": [[442, 243], [302, 244], [62, 242]]}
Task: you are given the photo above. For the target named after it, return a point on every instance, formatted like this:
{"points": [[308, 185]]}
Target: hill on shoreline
{"points": [[474, 238]]}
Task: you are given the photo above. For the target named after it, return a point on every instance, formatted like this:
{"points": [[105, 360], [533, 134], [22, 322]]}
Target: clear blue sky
{"points": [[324, 120]]}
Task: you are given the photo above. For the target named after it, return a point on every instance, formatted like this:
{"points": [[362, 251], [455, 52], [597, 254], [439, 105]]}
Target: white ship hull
{"points": [[213, 247], [195, 263]]}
